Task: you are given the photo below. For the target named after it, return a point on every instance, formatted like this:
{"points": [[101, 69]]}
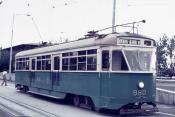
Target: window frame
{"points": [[31, 64], [21, 64], [43, 58], [78, 53], [120, 48], [105, 69], [72, 54]]}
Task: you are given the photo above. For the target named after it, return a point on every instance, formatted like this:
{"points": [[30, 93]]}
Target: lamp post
{"points": [[11, 43]]}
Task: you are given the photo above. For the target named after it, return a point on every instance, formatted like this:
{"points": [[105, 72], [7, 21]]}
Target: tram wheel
{"points": [[24, 89], [90, 103], [93, 107], [76, 100], [97, 109]]}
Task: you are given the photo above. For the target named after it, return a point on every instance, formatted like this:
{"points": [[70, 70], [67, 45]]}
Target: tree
{"points": [[162, 53], [171, 47]]}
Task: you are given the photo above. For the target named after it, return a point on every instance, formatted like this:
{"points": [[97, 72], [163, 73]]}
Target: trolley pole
{"points": [[37, 29], [113, 19]]}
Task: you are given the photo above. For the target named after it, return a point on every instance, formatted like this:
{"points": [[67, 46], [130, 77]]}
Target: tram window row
{"points": [[86, 60], [81, 60]]}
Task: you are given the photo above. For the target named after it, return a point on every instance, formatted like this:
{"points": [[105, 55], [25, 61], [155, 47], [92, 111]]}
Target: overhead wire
{"points": [[151, 3], [28, 9]]}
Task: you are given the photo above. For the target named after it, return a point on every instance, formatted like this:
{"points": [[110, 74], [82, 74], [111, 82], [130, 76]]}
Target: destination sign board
{"points": [[129, 41]]}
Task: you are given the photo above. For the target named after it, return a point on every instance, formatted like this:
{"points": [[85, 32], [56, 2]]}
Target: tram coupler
{"points": [[139, 110]]}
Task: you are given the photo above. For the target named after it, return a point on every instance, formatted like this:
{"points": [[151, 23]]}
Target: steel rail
{"points": [[28, 107]]}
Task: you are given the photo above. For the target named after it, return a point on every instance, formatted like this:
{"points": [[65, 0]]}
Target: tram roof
{"points": [[109, 39]]}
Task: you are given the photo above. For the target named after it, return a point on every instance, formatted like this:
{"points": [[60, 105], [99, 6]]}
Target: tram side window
{"points": [[48, 65], [93, 51], [82, 60], [82, 52], [105, 60], [65, 54], [43, 62], [38, 63], [82, 63], [73, 63], [92, 63], [22, 64], [65, 64], [118, 61], [46, 62], [17, 64], [56, 63], [33, 64], [27, 65], [27, 62]]}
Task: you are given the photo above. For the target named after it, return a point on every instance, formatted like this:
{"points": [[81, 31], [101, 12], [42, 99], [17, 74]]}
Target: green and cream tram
{"points": [[113, 71]]}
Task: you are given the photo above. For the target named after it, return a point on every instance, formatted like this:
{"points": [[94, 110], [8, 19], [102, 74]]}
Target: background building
{"points": [[5, 54]]}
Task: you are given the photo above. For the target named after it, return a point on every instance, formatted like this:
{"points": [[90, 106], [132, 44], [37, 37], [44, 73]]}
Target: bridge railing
{"points": [[166, 78], [165, 96]]}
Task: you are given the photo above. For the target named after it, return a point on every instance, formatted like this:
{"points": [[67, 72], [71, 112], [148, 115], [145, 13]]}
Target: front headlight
{"points": [[141, 85]]}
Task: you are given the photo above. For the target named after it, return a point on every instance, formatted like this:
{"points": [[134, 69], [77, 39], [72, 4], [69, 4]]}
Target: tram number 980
{"points": [[139, 92]]}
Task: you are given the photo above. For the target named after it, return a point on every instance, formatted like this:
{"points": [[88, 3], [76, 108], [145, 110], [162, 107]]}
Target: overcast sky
{"points": [[57, 19]]}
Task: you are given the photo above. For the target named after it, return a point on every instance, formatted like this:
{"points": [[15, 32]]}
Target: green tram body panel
{"points": [[23, 78], [107, 90], [42, 80]]}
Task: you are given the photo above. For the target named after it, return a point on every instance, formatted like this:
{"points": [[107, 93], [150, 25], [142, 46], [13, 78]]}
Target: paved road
{"points": [[67, 110]]}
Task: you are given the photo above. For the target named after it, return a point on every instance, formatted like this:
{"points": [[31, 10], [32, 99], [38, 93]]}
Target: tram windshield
{"points": [[139, 60]]}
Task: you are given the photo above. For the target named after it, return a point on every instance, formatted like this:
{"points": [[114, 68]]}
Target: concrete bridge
{"points": [[165, 91]]}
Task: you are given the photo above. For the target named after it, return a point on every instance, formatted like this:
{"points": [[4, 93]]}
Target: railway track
{"points": [[14, 108]]}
